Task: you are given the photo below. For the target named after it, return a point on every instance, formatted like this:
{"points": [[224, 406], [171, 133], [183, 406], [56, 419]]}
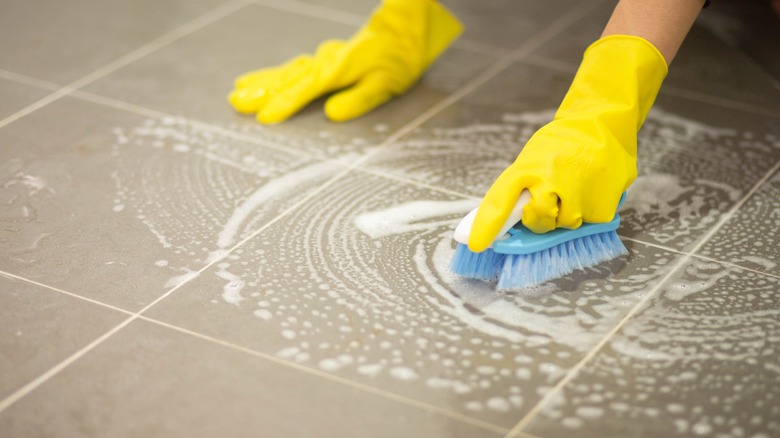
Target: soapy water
{"points": [[703, 358], [360, 282]]}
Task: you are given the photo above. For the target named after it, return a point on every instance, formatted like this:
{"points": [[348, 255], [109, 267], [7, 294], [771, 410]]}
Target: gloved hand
{"points": [[577, 166], [383, 59]]}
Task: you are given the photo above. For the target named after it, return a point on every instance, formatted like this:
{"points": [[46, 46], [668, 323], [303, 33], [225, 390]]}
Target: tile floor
{"points": [[170, 268]]}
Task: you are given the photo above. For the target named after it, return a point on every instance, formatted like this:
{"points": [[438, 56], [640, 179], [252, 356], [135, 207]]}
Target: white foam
{"points": [[370, 370], [681, 289], [404, 373], [273, 189], [264, 314], [498, 404], [410, 217], [231, 291]]}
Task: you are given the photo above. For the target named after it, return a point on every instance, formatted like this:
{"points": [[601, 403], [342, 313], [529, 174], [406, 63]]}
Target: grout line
{"points": [[333, 378], [123, 106], [699, 256], [29, 80], [573, 15], [202, 126], [654, 245], [168, 38], [70, 294], [35, 106], [480, 48], [41, 379], [670, 90], [572, 373], [734, 265], [551, 63]]}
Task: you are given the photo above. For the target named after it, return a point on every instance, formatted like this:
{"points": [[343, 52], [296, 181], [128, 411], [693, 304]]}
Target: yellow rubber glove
{"points": [[383, 59], [577, 166]]}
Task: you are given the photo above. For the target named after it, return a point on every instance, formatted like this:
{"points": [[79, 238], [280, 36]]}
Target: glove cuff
{"points": [[616, 84]]}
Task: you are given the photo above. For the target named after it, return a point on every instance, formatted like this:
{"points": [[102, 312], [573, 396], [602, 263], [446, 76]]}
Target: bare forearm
{"points": [[664, 23]]}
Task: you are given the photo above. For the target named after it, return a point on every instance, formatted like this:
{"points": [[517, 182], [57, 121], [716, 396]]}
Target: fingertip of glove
{"points": [[340, 116], [337, 113], [240, 103], [479, 239], [270, 118], [346, 106], [477, 246]]}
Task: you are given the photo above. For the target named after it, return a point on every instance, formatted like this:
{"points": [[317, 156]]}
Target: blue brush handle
{"points": [[524, 241]]}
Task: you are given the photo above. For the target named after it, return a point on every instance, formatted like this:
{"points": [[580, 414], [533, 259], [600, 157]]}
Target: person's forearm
{"points": [[664, 23]]}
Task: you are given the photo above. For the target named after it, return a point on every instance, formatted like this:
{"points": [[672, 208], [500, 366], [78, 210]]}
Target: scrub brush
{"points": [[520, 258]]}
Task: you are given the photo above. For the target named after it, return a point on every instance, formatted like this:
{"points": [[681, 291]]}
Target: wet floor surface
{"points": [[171, 268]]}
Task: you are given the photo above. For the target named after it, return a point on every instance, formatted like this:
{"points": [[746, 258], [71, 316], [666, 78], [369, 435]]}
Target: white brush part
{"points": [[463, 230]]}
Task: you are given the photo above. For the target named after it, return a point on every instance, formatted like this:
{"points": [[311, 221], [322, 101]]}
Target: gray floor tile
{"points": [[193, 76], [63, 41], [40, 327], [358, 284], [695, 160], [750, 238], [15, 96], [111, 205], [154, 382], [704, 64], [700, 360]]}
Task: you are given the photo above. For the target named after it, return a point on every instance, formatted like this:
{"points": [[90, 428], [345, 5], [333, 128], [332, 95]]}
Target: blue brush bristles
{"points": [[485, 265], [524, 270], [518, 271], [526, 259]]}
